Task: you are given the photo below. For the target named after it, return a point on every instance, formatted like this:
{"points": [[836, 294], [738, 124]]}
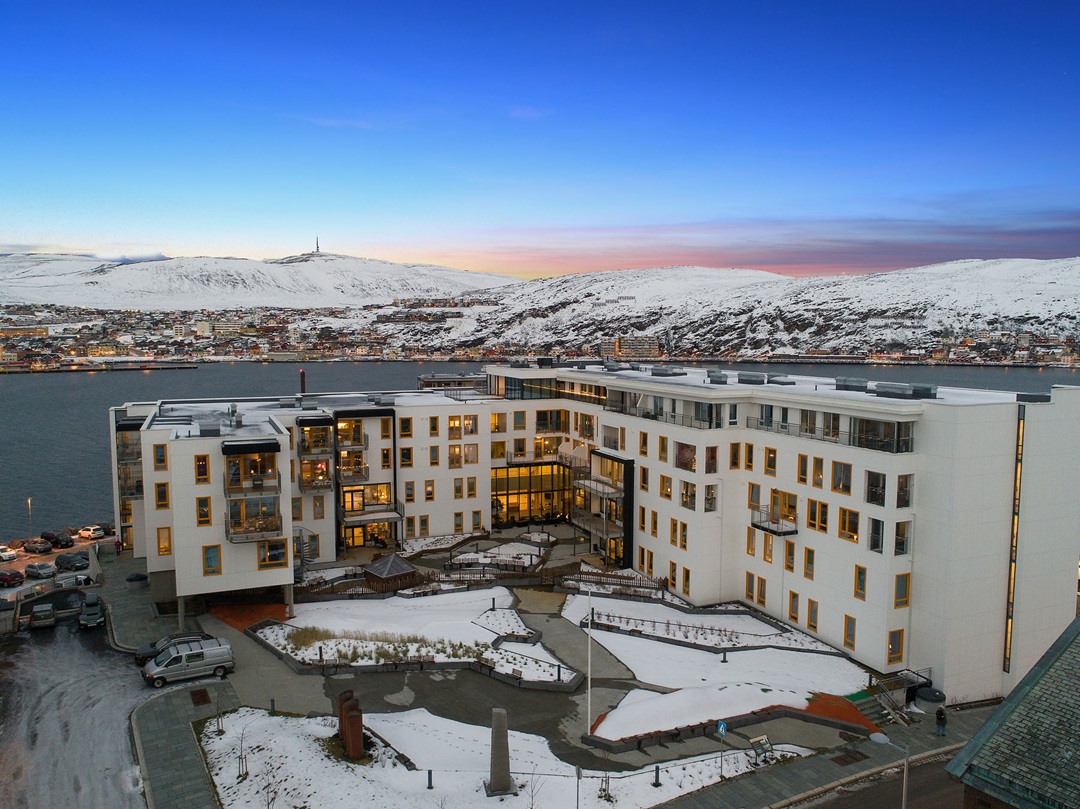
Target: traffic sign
{"points": [[721, 728]]}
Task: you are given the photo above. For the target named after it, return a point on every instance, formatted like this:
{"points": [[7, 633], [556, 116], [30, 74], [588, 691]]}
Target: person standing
{"points": [[942, 719], [119, 546]]}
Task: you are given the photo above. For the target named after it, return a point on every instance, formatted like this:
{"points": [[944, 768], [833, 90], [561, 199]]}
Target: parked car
{"points": [[37, 546], [92, 611], [7, 554], [58, 539], [71, 561], [42, 615], [11, 578], [183, 661], [108, 528], [40, 570], [91, 532], [151, 650]]}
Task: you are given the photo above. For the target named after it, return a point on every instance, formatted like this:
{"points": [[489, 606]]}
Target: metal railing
{"points": [[842, 437], [316, 484], [372, 508], [348, 444], [348, 475], [773, 522], [253, 485], [315, 448], [666, 417], [252, 529]]}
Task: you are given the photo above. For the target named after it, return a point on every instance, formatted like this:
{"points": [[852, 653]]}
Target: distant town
{"points": [[36, 337]]}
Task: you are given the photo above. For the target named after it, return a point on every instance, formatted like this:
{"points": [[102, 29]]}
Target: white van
{"points": [[188, 659]]}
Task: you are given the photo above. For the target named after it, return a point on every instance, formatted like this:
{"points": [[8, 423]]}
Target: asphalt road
{"points": [[929, 787], [65, 699]]}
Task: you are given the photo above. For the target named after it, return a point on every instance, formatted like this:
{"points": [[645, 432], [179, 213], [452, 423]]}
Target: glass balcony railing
{"points": [[771, 521], [253, 529]]}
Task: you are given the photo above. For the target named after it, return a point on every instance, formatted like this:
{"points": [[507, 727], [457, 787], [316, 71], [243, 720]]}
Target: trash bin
{"points": [[929, 699]]}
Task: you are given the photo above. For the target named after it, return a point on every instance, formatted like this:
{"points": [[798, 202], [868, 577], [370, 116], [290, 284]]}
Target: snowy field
{"points": [[289, 762]]}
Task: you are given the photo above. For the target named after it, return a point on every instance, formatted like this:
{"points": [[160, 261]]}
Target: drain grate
{"points": [[849, 757], [200, 696]]}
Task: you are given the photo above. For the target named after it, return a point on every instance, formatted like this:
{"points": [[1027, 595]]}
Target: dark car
{"points": [[92, 612], [58, 539], [11, 578], [71, 561], [37, 546], [150, 650]]}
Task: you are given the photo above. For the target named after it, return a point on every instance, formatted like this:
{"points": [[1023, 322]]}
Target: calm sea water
{"points": [[54, 447]]}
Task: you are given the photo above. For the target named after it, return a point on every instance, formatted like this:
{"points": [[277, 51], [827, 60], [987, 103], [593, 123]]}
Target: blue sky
{"points": [[537, 139]]}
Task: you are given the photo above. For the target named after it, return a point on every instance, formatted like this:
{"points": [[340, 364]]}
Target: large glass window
{"points": [[841, 477], [686, 457], [875, 488], [273, 553], [536, 492]]}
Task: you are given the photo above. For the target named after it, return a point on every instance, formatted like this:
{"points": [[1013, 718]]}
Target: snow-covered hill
{"points": [[309, 280]]}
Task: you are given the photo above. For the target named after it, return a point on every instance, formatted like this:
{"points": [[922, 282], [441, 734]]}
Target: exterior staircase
{"points": [[872, 709]]}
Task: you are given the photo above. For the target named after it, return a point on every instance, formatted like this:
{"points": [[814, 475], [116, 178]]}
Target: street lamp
{"points": [[881, 738]]}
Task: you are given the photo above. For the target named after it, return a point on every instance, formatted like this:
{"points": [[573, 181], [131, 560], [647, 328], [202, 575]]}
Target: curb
{"points": [[139, 754]]}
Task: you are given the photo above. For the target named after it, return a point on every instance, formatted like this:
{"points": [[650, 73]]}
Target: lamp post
{"points": [[881, 738]]}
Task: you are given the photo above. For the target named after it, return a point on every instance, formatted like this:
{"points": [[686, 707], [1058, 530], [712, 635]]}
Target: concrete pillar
{"points": [[180, 601], [500, 782], [290, 611]]}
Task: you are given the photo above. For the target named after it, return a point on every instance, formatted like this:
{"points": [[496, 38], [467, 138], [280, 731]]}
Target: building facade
{"points": [[915, 528]]}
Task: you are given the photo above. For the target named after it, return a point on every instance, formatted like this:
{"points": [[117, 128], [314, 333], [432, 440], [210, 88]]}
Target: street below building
{"points": [[65, 699], [929, 787]]}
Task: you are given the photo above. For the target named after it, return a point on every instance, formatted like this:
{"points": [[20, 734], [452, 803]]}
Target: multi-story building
{"points": [[914, 527]]}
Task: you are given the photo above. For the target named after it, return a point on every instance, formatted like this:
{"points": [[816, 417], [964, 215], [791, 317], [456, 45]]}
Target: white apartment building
{"points": [[913, 527]]}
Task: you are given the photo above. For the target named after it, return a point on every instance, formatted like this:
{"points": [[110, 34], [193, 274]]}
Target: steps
{"points": [[873, 710]]}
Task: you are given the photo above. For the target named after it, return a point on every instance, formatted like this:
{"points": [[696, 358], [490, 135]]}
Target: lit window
{"points": [[211, 560], [470, 425], [203, 514], [818, 479], [643, 444], [453, 455], [202, 468], [665, 487], [498, 422], [164, 541], [849, 524], [429, 490], [767, 551], [896, 646], [498, 450], [273, 553], [472, 453], [770, 461], [902, 590]]}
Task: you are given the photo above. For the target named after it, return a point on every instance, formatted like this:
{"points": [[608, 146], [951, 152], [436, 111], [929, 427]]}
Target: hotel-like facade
{"points": [[913, 527]]}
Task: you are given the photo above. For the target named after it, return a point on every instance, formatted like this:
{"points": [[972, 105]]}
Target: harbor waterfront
{"points": [[54, 458]]}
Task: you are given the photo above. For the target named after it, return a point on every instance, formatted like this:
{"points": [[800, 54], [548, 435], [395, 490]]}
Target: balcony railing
{"points": [[129, 454], [252, 529], [315, 449], [529, 457], [843, 437], [611, 442], [773, 522], [319, 484], [710, 504], [388, 506], [348, 443], [349, 475], [681, 419], [595, 523], [688, 501], [131, 490], [255, 484]]}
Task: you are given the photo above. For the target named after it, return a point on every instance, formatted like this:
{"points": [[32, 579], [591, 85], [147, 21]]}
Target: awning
{"points": [[596, 487], [250, 447], [365, 519]]}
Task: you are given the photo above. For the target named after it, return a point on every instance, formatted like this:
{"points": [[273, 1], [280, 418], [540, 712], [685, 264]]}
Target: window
{"points": [[761, 591], [164, 541], [202, 468], [429, 490], [748, 457], [875, 488], [405, 427], [433, 456], [477, 521], [385, 426], [410, 526], [665, 487], [789, 556], [817, 515], [641, 518], [433, 426], [519, 447], [877, 535], [470, 487], [498, 422], [653, 520], [811, 614], [453, 455], [688, 495], [622, 439], [803, 467], [849, 632], [641, 559], [686, 457], [860, 582], [793, 606], [753, 496], [459, 488], [643, 444], [734, 454], [751, 541], [819, 473], [903, 538], [808, 563], [471, 425], [472, 453], [648, 563], [406, 457], [902, 590], [161, 495], [498, 450], [459, 522], [161, 458], [410, 491], [749, 587], [202, 511], [211, 560], [662, 449], [672, 576], [770, 461], [841, 477], [318, 505], [273, 553], [733, 415], [686, 581], [767, 550], [453, 428], [830, 425], [423, 525], [643, 478], [298, 508], [674, 531], [849, 525], [385, 458], [896, 646], [904, 487], [684, 535], [519, 419]]}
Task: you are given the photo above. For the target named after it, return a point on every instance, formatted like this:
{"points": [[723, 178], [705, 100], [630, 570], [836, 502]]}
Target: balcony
{"points": [[773, 522], [127, 454], [514, 458], [352, 442], [611, 442], [252, 529], [595, 523], [710, 504], [352, 475], [380, 511], [316, 484], [848, 439], [131, 489], [269, 483], [318, 448], [681, 419]]}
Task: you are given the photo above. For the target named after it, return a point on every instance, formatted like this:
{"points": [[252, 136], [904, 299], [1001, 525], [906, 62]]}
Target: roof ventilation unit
{"points": [[519, 363], [780, 379], [668, 370], [922, 390], [716, 376], [851, 383], [894, 390], [208, 430], [635, 366], [612, 367], [545, 362], [751, 378]]}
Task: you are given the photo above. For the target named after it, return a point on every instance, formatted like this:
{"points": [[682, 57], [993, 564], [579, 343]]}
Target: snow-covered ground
{"points": [[412, 545], [288, 759], [501, 554]]}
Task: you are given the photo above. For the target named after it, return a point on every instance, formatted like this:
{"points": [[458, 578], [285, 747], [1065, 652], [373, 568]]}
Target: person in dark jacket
{"points": [[942, 719]]}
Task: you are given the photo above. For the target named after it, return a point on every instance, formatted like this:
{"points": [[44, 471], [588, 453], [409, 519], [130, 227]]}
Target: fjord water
{"points": [[54, 448]]}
